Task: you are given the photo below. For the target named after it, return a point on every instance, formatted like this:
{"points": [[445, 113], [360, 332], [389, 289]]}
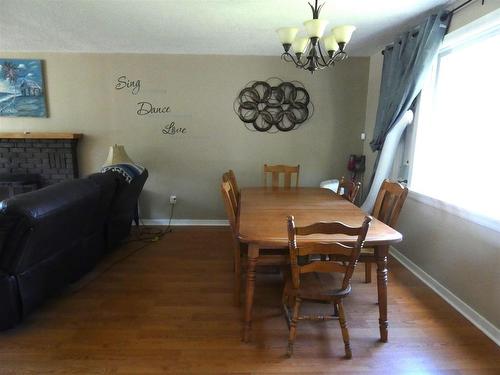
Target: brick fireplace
{"points": [[33, 160]]}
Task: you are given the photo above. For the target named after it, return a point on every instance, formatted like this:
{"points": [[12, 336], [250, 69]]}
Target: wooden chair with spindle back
{"points": [[312, 278], [229, 176], [231, 206], [268, 257], [388, 205], [286, 170], [348, 189]]}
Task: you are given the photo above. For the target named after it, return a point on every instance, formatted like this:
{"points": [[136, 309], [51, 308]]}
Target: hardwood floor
{"points": [[168, 308]]}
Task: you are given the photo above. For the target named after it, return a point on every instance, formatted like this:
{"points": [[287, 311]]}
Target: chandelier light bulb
{"points": [[299, 45], [315, 28], [287, 34], [343, 33], [331, 43]]}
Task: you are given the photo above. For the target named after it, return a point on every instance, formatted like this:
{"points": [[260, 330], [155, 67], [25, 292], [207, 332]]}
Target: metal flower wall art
{"points": [[273, 105]]}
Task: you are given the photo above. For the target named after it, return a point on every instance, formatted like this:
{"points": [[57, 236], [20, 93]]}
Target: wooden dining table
{"points": [[262, 224]]}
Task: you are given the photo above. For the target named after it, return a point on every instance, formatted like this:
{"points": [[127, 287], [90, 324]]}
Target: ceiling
{"points": [[236, 27]]}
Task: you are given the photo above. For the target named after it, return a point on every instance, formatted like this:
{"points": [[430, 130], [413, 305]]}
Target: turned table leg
{"points": [[253, 254], [381, 253]]}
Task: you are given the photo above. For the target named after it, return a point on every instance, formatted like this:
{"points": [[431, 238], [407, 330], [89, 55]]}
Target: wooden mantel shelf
{"points": [[29, 135]]}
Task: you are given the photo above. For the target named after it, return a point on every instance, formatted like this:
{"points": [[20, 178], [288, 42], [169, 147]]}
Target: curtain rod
{"points": [[454, 10]]}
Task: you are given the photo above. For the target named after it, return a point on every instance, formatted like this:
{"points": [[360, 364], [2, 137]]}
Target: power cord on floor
{"points": [[169, 228], [145, 234]]}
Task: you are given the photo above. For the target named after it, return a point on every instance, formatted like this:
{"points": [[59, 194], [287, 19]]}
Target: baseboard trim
{"points": [[468, 312], [185, 222]]}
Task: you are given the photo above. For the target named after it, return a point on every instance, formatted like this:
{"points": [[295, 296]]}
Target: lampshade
{"points": [[343, 33], [330, 43], [299, 45], [315, 28], [117, 155], [287, 34]]}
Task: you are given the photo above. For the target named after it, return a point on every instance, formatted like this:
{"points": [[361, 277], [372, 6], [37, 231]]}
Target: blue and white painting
{"points": [[22, 92]]}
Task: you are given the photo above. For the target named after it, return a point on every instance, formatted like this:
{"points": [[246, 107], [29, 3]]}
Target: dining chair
{"points": [[388, 205], [285, 170], [229, 176], [348, 189], [267, 257], [314, 279]]}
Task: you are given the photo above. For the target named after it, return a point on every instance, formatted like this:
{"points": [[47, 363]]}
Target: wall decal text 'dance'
{"points": [[146, 108], [273, 105]]}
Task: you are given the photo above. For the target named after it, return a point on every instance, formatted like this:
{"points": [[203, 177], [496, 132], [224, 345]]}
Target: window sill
{"points": [[456, 210]]}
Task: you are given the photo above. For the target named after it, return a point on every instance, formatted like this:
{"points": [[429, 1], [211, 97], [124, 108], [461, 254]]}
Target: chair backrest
{"points": [[230, 177], [350, 189], [390, 200], [230, 202], [286, 170], [349, 253]]}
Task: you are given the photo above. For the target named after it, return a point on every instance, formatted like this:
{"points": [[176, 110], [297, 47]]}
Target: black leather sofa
{"points": [[53, 236]]}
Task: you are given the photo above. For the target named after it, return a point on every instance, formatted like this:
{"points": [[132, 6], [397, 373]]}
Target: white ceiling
{"points": [[239, 27]]}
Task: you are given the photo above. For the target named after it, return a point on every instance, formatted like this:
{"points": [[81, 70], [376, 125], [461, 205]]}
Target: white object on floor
{"points": [[386, 160]]}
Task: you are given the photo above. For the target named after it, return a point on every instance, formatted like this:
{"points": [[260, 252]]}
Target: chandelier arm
{"points": [[340, 56], [299, 63], [320, 65], [325, 63], [318, 61], [288, 57], [323, 66]]}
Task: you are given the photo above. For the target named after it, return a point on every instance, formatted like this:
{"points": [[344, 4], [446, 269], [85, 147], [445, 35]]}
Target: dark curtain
{"points": [[406, 64]]}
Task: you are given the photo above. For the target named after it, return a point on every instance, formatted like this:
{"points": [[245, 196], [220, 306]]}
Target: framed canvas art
{"points": [[22, 92]]}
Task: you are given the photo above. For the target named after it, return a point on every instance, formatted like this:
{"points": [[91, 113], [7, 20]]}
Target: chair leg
{"points": [[293, 326], [345, 332], [237, 277], [368, 272], [285, 298]]}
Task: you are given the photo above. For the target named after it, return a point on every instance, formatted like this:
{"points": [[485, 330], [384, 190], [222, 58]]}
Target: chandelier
{"points": [[309, 54]]}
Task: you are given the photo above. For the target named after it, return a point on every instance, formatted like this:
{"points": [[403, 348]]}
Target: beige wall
{"points": [[373, 91], [200, 91], [461, 255]]}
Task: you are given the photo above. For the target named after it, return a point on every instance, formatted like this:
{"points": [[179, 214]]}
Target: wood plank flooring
{"points": [[167, 308]]}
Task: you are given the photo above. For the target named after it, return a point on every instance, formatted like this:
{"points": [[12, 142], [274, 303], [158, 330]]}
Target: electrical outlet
{"points": [[173, 199]]}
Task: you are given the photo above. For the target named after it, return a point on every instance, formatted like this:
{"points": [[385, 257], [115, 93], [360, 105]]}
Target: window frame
{"points": [[483, 27]]}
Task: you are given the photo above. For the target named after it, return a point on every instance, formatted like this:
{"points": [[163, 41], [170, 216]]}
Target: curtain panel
{"points": [[407, 63]]}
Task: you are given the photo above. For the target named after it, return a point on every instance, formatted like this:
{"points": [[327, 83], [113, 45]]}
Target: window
{"points": [[457, 145]]}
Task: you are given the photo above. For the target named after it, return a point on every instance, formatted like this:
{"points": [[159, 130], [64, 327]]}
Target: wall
{"points": [[461, 255], [373, 91], [200, 91]]}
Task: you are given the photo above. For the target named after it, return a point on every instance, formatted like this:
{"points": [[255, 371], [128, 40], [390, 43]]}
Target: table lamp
{"points": [[120, 162]]}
